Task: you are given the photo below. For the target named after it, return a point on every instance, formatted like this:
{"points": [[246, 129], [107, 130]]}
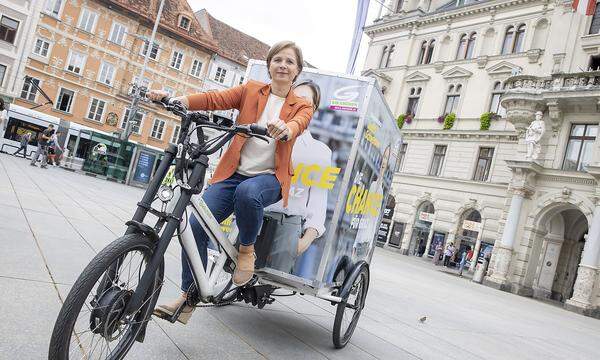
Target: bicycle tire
{"points": [[96, 272], [360, 286]]}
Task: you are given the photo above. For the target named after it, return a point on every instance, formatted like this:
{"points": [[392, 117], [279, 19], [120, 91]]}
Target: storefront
{"points": [[386, 222], [397, 234], [421, 228]]}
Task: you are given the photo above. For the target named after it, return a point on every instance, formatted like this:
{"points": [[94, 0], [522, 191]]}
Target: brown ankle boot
{"points": [[167, 310], [245, 266]]}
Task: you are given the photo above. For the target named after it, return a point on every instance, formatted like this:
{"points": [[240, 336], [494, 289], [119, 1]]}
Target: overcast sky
{"points": [[322, 28]]}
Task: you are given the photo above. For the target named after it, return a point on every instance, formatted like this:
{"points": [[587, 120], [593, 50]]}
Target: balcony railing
{"points": [[589, 80]]}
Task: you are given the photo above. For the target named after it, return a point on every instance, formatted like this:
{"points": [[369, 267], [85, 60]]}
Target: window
{"points": [[117, 33], [413, 101], [176, 59], [107, 73], [196, 68], [495, 106], [153, 52], [184, 22], [220, 75], [580, 147], [137, 120], [439, 153], [87, 20], [2, 73], [452, 99], [8, 29], [96, 110], [402, 155], [76, 62], [422, 52], [429, 54], [158, 128], [53, 7], [484, 164], [169, 90], [65, 100], [465, 46], [399, 5], [594, 63], [513, 39], [28, 91], [595, 27], [175, 135], [41, 47], [386, 55]]}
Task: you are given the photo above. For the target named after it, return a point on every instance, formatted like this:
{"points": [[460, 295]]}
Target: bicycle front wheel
{"points": [[91, 323]]}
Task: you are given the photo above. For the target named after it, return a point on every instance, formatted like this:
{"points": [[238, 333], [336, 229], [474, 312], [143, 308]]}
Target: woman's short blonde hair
{"points": [[284, 45]]}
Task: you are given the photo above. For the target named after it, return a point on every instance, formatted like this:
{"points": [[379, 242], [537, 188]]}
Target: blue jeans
{"points": [[243, 195]]}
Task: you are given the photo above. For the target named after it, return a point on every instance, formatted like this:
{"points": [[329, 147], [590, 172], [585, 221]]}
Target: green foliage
{"points": [[486, 120], [449, 121], [400, 121]]}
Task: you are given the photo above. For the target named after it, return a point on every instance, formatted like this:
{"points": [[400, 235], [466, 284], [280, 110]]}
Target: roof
{"points": [[169, 20], [232, 43]]}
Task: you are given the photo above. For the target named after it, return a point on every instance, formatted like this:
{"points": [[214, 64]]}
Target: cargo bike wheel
{"points": [[353, 293]]}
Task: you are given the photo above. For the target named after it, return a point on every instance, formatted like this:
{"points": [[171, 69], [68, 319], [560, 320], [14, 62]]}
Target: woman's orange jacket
{"points": [[250, 99]]}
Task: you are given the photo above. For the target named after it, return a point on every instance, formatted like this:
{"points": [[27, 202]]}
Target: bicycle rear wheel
{"points": [[91, 323], [348, 311]]}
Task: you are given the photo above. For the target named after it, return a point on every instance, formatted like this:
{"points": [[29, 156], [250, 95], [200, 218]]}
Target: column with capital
{"points": [[522, 185], [589, 267]]}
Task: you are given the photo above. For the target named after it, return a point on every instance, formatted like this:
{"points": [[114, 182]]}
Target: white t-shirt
{"points": [[257, 156], [310, 202]]}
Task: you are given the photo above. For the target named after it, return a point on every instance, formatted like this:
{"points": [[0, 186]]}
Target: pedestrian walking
{"points": [[463, 260], [450, 249], [438, 253], [24, 141], [54, 150], [42, 148], [422, 246]]}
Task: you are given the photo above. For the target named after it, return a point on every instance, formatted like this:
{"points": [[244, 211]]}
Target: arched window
{"points": [[413, 101], [470, 46], [462, 47], [495, 106], [508, 40], [430, 49], [518, 47], [382, 59], [422, 52], [389, 55], [452, 99]]}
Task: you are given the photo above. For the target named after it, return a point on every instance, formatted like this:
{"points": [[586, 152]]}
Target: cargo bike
{"points": [[108, 308]]}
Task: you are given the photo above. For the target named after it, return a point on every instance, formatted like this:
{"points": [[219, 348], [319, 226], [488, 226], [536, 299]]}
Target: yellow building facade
{"points": [[87, 54]]}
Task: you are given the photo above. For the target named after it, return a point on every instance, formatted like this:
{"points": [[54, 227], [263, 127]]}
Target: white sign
{"points": [[471, 225], [423, 216]]}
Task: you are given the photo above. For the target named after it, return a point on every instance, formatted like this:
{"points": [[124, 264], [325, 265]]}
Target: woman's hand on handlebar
{"points": [[278, 130], [159, 95]]}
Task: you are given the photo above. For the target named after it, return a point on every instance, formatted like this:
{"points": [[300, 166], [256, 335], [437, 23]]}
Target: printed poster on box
{"points": [[326, 186]]}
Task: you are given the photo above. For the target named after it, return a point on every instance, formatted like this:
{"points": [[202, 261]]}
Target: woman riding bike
{"points": [[252, 174]]}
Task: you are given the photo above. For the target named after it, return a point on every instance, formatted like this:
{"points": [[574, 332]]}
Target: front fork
{"points": [[196, 180]]}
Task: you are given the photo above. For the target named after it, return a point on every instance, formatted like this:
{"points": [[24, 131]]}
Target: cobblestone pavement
{"points": [[53, 221]]}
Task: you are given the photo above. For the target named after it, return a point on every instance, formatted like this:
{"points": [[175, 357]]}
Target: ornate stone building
{"points": [[467, 78]]}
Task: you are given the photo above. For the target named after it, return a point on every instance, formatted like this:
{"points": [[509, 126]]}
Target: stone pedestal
{"points": [[584, 288]]}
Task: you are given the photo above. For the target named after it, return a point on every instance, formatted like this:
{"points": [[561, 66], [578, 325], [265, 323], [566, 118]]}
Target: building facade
{"points": [[228, 66], [86, 55], [18, 20], [466, 79]]}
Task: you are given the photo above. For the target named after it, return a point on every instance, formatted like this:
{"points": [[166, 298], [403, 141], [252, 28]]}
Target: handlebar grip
{"points": [[258, 130], [261, 130]]}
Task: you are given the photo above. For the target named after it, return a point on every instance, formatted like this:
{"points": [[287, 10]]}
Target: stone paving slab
{"points": [[52, 222]]}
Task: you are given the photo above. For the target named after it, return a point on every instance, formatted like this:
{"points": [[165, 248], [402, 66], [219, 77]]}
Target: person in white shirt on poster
{"points": [[303, 220]]}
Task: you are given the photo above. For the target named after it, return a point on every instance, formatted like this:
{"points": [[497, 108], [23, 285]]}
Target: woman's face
{"points": [[305, 92], [284, 66]]}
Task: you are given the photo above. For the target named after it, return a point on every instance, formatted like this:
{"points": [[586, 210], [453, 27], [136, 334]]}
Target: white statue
{"points": [[533, 135]]}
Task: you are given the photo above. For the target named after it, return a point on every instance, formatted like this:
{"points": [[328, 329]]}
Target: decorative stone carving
{"points": [[502, 259], [582, 291], [482, 61], [438, 66], [555, 114], [533, 136], [558, 60], [534, 55]]}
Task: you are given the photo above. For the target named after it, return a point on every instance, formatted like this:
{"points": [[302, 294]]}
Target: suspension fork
{"points": [[196, 181]]}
